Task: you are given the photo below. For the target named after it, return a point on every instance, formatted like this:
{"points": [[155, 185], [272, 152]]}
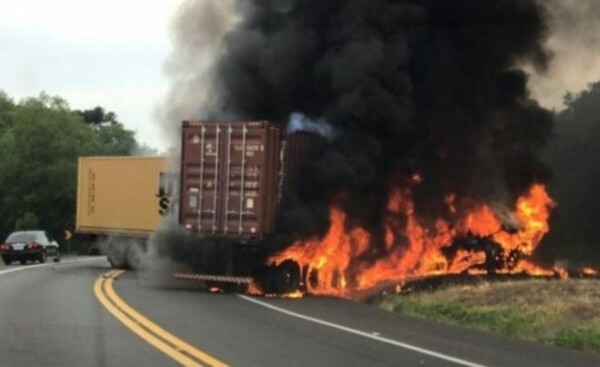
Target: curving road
{"points": [[82, 314]]}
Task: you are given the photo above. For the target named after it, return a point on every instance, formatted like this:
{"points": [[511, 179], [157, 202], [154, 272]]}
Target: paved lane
{"points": [[50, 316], [243, 333]]}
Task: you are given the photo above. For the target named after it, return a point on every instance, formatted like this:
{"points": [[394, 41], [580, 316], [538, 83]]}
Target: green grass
{"points": [[579, 338], [564, 313]]}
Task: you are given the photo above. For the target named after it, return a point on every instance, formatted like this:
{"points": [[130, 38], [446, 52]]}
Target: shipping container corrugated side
{"points": [[232, 175], [120, 195]]}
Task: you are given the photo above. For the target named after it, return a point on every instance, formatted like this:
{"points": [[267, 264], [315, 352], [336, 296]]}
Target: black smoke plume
{"points": [[415, 86]]}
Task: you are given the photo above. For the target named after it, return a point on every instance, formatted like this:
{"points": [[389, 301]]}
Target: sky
{"points": [[106, 53], [112, 53]]}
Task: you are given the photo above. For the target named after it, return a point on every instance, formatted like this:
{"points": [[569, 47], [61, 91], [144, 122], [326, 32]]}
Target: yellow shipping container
{"points": [[121, 195]]}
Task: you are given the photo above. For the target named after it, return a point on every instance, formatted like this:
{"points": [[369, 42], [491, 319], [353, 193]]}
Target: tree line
{"points": [[574, 157], [41, 139]]}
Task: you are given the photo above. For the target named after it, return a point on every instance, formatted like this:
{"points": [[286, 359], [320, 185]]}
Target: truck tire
{"points": [[134, 256], [117, 255], [287, 277]]}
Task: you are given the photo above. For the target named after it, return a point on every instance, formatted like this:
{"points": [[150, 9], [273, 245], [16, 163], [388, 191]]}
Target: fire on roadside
{"points": [[476, 241]]}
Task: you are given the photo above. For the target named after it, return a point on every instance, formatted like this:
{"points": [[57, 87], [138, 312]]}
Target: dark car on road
{"points": [[29, 246]]}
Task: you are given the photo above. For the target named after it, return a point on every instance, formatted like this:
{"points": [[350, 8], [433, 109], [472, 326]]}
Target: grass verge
{"points": [[563, 313]]}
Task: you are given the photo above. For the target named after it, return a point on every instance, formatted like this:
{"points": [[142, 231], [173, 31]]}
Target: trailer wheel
{"points": [[116, 255], [287, 277], [134, 255]]}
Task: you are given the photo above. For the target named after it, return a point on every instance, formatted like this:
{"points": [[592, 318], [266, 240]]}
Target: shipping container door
{"points": [[201, 158], [244, 174], [229, 177]]}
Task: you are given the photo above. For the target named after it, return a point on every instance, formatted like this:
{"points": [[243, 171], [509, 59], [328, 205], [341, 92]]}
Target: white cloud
{"points": [[91, 20], [108, 53]]}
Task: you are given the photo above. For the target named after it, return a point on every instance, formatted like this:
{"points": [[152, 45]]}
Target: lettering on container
{"points": [[168, 194], [91, 192], [195, 123], [210, 150], [251, 149]]}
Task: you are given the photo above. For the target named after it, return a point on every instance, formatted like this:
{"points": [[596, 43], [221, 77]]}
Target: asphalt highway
{"points": [[83, 314]]}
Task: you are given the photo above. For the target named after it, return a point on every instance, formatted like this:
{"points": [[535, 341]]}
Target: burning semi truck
{"points": [[217, 208], [224, 194]]}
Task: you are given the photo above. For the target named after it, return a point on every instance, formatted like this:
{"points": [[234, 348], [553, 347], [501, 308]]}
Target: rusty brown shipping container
{"points": [[233, 173], [121, 195]]}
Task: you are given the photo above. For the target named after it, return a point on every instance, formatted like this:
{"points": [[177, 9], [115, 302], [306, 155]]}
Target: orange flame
{"points": [[254, 289], [533, 211], [338, 264], [330, 256], [562, 272], [296, 294]]}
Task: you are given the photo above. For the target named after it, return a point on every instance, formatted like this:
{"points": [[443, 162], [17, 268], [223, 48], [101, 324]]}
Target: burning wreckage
{"points": [[239, 181], [427, 160]]}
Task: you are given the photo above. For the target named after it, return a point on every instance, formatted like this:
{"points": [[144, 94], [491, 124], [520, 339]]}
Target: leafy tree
{"points": [[116, 140], [98, 116], [574, 154], [28, 221], [39, 164], [7, 107]]}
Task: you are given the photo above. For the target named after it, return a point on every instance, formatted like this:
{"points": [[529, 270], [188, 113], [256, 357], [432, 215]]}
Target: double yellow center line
{"points": [[169, 344]]}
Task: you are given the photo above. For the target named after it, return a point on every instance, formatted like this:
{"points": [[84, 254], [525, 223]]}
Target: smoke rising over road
{"points": [[416, 89], [198, 31]]}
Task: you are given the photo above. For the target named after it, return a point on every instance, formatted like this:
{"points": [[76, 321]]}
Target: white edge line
{"points": [[364, 334], [26, 267]]}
